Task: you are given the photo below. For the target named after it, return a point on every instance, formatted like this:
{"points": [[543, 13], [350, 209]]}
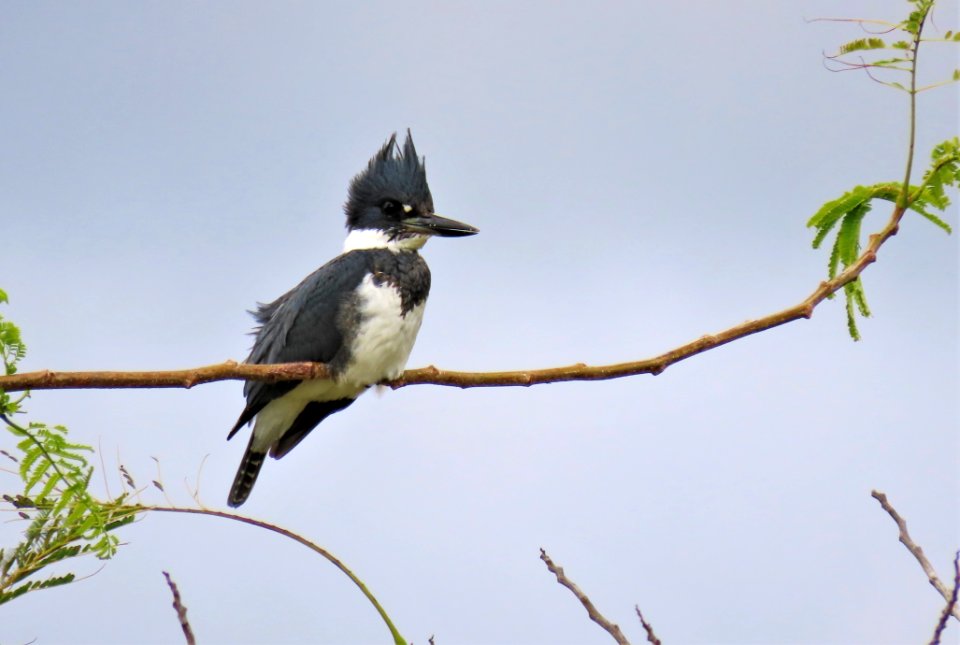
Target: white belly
{"points": [[380, 350], [385, 338]]}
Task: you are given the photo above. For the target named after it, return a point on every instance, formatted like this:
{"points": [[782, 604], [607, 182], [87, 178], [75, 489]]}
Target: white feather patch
{"points": [[377, 239], [380, 351]]}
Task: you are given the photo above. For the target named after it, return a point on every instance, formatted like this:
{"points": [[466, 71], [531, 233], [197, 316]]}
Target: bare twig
{"points": [[181, 610], [951, 604], [915, 549], [888, 26], [595, 615], [230, 370], [647, 627]]}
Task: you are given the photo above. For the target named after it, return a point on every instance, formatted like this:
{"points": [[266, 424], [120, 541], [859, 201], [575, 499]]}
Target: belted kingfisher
{"points": [[359, 313]]}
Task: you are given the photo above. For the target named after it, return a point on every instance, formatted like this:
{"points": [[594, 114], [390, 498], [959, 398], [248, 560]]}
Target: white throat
{"points": [[377, 239]]}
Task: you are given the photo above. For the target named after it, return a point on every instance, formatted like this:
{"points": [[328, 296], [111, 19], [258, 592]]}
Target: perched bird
{"points": [[359, 313]]}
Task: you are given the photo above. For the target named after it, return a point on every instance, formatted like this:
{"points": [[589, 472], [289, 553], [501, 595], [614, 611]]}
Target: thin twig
{"points": [[647, 627], [890, 26], [181, 610], [230, 370], [951, 604], [915, 549], [911, 146], [595, 615]]}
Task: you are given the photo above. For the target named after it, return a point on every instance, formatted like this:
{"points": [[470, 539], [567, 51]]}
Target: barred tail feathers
{"points": [[246, 475]]}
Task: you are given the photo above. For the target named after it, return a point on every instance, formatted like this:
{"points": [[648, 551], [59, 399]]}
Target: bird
{"points": [[359, 313]]}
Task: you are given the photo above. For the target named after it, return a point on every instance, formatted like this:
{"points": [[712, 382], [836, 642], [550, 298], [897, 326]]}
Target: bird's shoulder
{"points": [[307, 323], [312, 304]]}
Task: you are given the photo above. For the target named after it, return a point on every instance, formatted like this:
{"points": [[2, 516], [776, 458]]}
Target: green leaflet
{"points": [[932, 218], [65, 520], [848, 237], [861, 44], [846, 213], [830, 213]]}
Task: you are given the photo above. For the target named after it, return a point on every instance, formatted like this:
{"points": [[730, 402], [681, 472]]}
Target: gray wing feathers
{"points": [[303, 325]]}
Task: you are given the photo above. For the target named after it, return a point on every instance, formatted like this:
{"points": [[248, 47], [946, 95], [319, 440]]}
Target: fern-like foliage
{"points": [[64, 520], [12, 351], [875, 54], [846, 213]]}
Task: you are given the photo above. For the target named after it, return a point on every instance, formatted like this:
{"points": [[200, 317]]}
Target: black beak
{"points": [[435, 225]]}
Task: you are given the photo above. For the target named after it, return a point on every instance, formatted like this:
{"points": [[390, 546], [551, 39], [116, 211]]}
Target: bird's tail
{"points": [[246, 475]]}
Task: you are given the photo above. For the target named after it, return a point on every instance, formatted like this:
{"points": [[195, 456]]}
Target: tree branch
{"points": [[181, 610], [647, 627], [951, 604], [917, 552], [231, 370], [595, 615]]}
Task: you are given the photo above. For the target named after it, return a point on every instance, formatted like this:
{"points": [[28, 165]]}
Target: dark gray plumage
{"points": [[359, 313]]}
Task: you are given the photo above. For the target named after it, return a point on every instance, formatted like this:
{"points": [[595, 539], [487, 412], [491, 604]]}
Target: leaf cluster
{"points": [[846, 213], [12, 351], [65, 520], [902, 52]]}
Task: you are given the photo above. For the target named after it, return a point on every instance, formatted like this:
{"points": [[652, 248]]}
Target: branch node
{"points": [[915, 550]]}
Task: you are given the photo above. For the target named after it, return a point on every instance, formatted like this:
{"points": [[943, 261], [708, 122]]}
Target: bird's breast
{"points": [[385, 332]]}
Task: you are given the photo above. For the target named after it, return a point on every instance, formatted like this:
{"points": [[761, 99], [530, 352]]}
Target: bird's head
{"points": [[390, 205]]}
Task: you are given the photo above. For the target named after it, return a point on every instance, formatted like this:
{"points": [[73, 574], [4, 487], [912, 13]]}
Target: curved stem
{"points": [[397, 638], [904, 200]]}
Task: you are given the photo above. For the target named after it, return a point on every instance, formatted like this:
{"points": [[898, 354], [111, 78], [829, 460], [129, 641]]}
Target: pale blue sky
{"points": [[641, 174]]}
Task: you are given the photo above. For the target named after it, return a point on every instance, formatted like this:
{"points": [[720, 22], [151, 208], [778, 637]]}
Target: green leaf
{"points": [[848, 238], [61, 554], [29, 458], [3, 296], [50, 484], [862, 44], [831, 212], [931, 217], [891, 62], [852, 321], [859, 296], [37, 475], [834, 262], [55, 581], [6, 596]]}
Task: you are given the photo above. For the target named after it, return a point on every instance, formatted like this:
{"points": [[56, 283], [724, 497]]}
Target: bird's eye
{"points": [[390, 207]]}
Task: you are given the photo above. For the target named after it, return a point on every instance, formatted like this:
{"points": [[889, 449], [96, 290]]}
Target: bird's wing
{"points": [[304, 324]]}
